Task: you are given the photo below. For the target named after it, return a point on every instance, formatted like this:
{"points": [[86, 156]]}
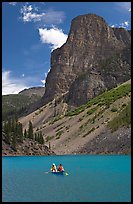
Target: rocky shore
{"points": [[27, 148]]}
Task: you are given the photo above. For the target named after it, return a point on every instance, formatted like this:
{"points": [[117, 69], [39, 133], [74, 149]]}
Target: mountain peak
{"points": [[90, 42]]}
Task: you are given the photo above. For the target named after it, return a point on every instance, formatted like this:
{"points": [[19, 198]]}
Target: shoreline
{"points": [[102, 154]]}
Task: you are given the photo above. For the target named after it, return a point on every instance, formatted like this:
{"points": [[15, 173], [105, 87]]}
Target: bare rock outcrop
{"points": [[82, 67]]}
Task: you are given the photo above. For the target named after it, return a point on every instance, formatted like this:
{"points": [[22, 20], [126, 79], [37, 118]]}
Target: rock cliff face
{"points": [[93, 59]]}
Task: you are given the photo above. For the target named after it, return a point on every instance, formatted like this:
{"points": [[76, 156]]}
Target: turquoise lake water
{"points": [[92, 178]]}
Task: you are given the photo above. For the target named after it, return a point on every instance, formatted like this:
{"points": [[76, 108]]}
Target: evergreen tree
{"points": [[14, 142], [20, 132], [25, 133], [7, 132], [36, 137], [13, 124], [9, 125], [13, 132], [30, 130], [41, 140], [8, 137]]}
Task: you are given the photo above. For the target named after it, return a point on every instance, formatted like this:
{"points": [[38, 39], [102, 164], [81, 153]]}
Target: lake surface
{"points": [[91, 178]]}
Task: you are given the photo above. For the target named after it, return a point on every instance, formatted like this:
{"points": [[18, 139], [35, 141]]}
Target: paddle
{"points": [[47, 172], [66, 173]]}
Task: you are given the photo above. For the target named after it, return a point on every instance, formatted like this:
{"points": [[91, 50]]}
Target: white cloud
{"points": [[45, 76], [13, 3], [53, 17], [125, 25], [11, 85], [28, 15], [53, 36], [32, 14], [43, 81], [112, 26]]}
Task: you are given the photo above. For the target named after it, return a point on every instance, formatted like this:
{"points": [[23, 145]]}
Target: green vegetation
{"points": [[14, 105], [92, 120], [67, 127], [55, 119], [39, 138], [59, 128], [49, 138], [82, 126], [114, 109], [123, 105], [30, 131], [76, 111], [106, 99], [123, 119], [57, 137], [39, 111], [91, 130], [80, 119], [59, 133], [13, 132], [25, 133], [89, 112]]}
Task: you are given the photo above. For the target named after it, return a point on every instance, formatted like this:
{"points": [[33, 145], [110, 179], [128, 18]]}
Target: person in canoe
{"points": [[53, 168], [60, 168]]}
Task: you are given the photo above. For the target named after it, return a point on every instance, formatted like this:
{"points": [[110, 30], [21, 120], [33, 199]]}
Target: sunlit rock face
{"points": [[94, 58]]}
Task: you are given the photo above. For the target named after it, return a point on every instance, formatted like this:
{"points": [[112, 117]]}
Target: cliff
{"points": [[93, 59]]}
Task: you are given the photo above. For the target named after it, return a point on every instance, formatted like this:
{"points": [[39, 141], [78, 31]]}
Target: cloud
{"points": [[53, 17], [124, 24], [45, 76], [49, 17], [53, 36], [11, 85], [43, 81], [28, 15], [13, 3]]}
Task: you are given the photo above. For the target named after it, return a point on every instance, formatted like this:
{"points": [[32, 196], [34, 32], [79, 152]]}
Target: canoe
{"points": [[57, 172]]}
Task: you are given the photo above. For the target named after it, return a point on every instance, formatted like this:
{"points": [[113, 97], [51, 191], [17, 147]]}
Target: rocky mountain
{"points": [[100, 126], [86, 106], [19, 104], [38, 91], [94, 58]]}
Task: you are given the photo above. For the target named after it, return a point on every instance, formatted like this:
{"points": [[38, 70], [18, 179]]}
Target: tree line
{"points": [[14, 133]]}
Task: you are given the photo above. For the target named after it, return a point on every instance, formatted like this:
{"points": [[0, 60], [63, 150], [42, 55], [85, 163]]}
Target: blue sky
{"points": [[31, 30]]}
